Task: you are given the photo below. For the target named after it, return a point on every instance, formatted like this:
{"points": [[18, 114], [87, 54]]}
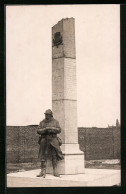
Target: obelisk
{"points": [[64, 94]]}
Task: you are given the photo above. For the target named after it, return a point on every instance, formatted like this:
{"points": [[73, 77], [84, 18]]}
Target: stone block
{"points": [[73, 162], [58, 79], [91, 177], [66, 27], [69, 38], [70, 89]]}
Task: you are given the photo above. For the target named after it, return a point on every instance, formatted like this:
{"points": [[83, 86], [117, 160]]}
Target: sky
{"points": [[29, 62]]}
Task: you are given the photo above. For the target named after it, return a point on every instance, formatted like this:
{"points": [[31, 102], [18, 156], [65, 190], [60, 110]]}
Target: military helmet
{"points": [[48, 112]]}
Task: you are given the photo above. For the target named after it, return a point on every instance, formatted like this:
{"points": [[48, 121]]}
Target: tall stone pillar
{"points": [[64, 94]]}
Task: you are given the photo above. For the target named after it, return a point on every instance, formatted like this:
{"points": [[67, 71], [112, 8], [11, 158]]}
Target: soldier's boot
{"points": [[54, 163], [43, 169]]}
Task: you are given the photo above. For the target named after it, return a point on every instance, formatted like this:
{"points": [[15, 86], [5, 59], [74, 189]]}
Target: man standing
{"points": [[49, 144]]}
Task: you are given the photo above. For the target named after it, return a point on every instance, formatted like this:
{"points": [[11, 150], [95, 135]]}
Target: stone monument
{"points": [[64, 94], [64, 106]]}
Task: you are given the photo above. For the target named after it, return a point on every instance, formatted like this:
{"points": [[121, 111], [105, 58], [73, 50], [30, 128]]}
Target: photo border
{"points": [[61, 190]]}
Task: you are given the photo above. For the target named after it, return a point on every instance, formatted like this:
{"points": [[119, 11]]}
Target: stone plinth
{"points": [[73, 162], [64, 94], [92, 177]]}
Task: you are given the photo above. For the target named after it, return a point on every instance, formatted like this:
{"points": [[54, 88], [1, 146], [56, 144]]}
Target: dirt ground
{"points": [[103, 164], [97, 164]]}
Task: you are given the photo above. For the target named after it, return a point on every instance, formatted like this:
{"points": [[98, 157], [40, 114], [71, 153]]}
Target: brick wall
{"points": [[12, 144], [22, 143], [99, 143]]}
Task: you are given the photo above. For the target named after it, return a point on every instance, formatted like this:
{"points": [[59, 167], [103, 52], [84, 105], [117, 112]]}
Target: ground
{"points": [[103, 164], [97, 164]]}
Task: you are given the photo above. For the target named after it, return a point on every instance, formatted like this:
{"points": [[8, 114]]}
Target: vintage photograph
{"points": [[63, 95]]}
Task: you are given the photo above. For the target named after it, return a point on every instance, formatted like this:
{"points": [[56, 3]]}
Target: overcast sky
{"points": [[29, 62]]}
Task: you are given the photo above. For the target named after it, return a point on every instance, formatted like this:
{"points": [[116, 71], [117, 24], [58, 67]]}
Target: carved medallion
{"points": [[57, 39]]}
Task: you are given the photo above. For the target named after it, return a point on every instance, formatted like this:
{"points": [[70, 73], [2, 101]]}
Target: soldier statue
{"points": [[49, 143]]}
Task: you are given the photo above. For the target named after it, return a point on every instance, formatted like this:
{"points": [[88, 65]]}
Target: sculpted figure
{"points": [[49, 143]]}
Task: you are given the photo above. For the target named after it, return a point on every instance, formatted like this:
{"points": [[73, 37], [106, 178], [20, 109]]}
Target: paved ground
{"points": [[24, 175], [92, 177]]}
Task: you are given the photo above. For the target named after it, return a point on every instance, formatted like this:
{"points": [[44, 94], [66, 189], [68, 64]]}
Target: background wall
{"points": [[97, 143], [21, 144], [100, 143]]}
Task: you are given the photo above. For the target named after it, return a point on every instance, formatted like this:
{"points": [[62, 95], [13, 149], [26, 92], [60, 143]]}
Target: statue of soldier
{"points": [[49, 143]]}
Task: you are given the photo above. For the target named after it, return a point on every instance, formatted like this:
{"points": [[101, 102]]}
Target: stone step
{"points": [[92, 177]]}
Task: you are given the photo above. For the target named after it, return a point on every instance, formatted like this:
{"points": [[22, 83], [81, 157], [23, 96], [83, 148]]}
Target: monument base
{"points": [[73, 162], [91, 177]]}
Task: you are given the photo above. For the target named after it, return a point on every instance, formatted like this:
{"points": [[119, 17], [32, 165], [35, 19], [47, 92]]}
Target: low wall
{"points": [[22, 143], [99, 143]]}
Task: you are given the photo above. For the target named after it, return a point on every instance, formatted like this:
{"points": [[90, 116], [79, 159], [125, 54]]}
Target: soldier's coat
{"points": [[49, 144]]}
